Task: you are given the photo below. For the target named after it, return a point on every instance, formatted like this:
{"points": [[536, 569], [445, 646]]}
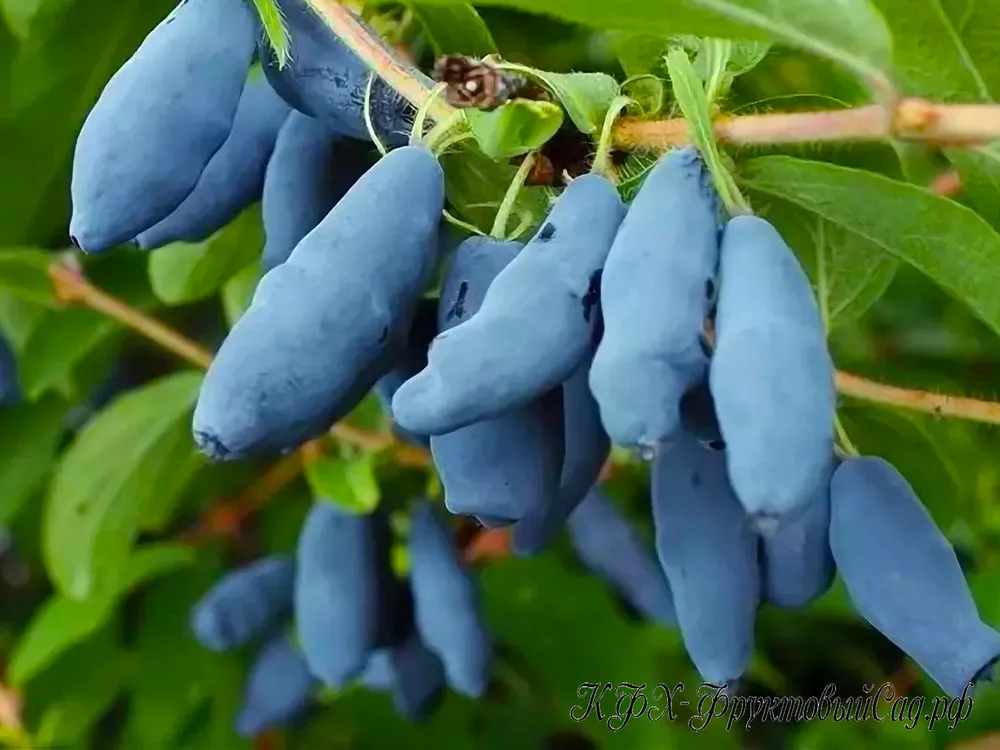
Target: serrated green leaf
{"points": [[850, 32], [349, 483], [131, 458], [238, 291], [517, 127], [948, 242], [899, 439], [454, 29], [585, 96], [849, 273], [181, 273], [24, 272], [61, 622], [31, 435]]}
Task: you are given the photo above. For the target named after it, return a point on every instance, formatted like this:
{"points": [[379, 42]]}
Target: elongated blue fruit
{"points": [[535, 325], [709, 554], [498, 469], [246, 603], [310, 169], [903, 576], [346, 297], [233, 178], [418, 678], [771, 376], [654, 296], [411, 361], [338, 592], [587, 448], [10, 387], [278, 690], [159, 121], [797, 562], [378, 674], [607, 545], [448, 614], [325, 80]]}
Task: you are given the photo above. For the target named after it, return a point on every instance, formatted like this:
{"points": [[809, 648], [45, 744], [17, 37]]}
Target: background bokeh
{"points": [[125, 672]]}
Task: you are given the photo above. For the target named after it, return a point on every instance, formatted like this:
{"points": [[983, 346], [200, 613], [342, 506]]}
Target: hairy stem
{"points": [[914, 119], [957, 407], [401, 76]]}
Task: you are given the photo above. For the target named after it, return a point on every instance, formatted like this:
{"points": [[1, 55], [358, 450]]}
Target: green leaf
{"points": [[176, 677], [585, 96], [546, 614], [24, 272], [19, 318], [948, 242], [57, 625], [131, 458], [454, 29], [517, 127], [238, 291], [31, 435], [849, 273], [476, 185], [694, 103], [181, 273], [899, 439], [730, 58], [648, 92], [61, 623], [45, 94], [964, 35], [980, 172], [57, 345], [76, 691], [349, 483], [851, 32], [639, 53]]}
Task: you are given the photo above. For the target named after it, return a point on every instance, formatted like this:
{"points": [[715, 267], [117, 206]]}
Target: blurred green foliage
{"points": [[98, 476]]}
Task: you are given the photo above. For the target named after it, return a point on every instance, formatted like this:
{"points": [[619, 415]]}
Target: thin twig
{"points": [[71, 287], [915, 119], [940, 404], [225, 519]]}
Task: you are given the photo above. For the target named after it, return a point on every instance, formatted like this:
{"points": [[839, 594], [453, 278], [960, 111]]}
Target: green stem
{"points": [[510, 197], [602, 159], [417, 132], [367, 111], [690, 94]]}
